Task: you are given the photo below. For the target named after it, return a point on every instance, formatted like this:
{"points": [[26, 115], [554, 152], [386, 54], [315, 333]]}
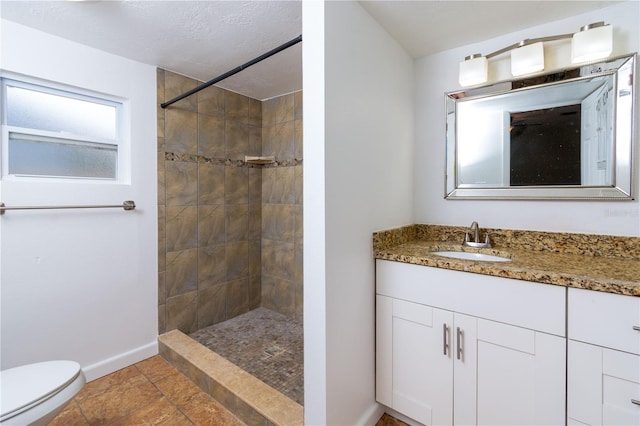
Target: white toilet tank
{"points": [[33, 394]]}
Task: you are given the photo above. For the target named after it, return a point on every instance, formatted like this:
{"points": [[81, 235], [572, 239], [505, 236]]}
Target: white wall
{"points": [[358, 143], [81, 284], [437, 74]]}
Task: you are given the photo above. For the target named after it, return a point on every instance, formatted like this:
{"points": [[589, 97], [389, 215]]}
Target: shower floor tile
{"points": [[264, 343]]}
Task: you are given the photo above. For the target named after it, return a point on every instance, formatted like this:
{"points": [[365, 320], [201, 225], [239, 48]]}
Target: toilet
{"points": [[34, 394]]}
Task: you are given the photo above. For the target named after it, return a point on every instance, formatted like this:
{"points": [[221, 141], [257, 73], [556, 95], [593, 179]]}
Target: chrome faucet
{"points": [[475, 230], [476, 233]]}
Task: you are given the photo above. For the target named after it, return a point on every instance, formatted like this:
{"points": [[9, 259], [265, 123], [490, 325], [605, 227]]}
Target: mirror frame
{"points": [[622, 187]]}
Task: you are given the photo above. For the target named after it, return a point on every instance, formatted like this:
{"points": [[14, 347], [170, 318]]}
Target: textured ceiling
{"points": [[199, 39], [203, 39]]}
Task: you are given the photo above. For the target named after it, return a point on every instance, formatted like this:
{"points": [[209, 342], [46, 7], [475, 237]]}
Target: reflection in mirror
{"points": [[563, 135]]}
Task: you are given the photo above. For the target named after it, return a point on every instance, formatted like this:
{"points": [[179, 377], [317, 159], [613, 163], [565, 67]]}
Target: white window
{"points": [[50, 132]]}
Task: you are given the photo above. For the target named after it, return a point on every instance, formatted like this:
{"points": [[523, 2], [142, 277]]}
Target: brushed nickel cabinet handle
{"points": [[459, 334], [445, 332], [635, 401]]}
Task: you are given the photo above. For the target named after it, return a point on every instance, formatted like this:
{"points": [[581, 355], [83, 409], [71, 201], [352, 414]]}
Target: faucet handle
{"points": [[487, 240], [466, 236]]}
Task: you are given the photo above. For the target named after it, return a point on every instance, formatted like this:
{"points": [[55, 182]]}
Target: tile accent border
{"points": [[249, 399], [189, 158]]}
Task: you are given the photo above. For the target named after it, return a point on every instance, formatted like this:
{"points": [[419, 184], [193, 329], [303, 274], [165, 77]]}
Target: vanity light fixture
{"points": [[592, 42], [473, 70], [527, 59]]}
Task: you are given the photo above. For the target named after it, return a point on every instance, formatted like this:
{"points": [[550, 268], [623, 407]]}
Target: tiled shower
{"points": [[230, 233]]}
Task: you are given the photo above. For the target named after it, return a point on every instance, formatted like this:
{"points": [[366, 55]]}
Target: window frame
{"points": [[120, 141]]}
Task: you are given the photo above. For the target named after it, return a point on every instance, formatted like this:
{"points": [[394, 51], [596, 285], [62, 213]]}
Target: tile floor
{"points": [[387, 420], [150, 392]]}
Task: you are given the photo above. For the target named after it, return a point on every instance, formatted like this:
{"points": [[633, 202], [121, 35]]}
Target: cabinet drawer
{"points": [[604, 319], [535, 306]]}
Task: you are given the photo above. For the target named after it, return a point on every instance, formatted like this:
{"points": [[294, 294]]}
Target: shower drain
{"points": [[274, 351]]}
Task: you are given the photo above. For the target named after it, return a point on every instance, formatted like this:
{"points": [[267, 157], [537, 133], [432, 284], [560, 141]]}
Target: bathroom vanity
{"points": [[552, 335]]}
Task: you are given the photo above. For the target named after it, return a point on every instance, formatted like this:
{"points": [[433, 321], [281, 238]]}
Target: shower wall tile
{"points": [[298, 181], [284, 140], [211, 136], [286, 108], [255, 292], [161, 145], [162, 318], [269, 141], [162, 288], [255, 258], [255, 141], [182, 312], [236, 139], [299, 225], [255, 112], [278, 222], [282, 222], [175, 85], [161, 122], [236, 185], [255, 186], [211, 305], [297, 105], [212, 266], [182, 272], [237, 297], [297, 266], [181, 131], [211, 101], [279, 295], [229, 236], [278, 259], [299, 289], [255, 222], [237, 107], [211, 225], [298, 139], [237, 222], [237, 260], [269, 112], [162, 238], [283, 191], [182, 227], [268, 182], [181, 183], [161, 179], [211, 184], [278, 110]]}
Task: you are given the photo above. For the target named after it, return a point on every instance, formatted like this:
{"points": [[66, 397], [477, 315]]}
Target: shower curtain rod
{"points": [[234, 71]]}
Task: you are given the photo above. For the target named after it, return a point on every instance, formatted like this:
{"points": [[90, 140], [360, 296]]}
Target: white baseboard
{"points": [[115, 363], [371, 416]]}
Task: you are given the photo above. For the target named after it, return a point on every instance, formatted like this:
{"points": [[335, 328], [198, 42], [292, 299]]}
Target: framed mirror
{"points": [[562, 135]]}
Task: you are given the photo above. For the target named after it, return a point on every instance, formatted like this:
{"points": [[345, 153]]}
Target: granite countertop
{"points": [[617, 271]]}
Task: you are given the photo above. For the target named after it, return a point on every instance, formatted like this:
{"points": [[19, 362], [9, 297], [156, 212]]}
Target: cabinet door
{"points": [[415, 372], [602, 385], [520, 376]]}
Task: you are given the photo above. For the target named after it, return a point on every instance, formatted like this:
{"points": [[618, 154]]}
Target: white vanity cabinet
{"points": [[603, 359], [460, 348]]}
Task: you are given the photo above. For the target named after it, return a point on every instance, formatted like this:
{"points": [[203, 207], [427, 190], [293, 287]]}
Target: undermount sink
{"points": [[471, 256]]}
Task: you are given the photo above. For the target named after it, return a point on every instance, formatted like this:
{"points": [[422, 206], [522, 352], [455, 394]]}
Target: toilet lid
{"points": [[23, 386]]}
